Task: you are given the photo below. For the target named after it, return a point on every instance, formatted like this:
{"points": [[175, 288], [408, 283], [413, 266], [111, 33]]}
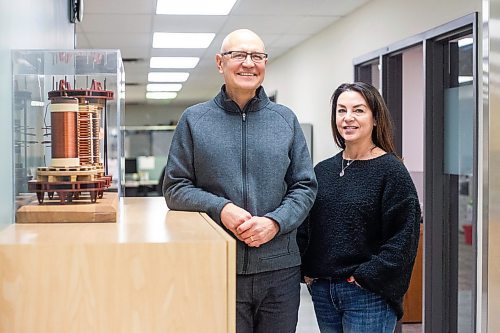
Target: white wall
{"points": [[24, 24], [306, 77], [413, 116], [413, 109]]}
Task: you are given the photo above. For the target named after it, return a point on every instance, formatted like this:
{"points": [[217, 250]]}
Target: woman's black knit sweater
{"points": [[364, 224]]}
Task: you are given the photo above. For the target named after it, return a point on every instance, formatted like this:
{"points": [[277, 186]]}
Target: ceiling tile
{"points": [[275, 8], [335, 7], [182, 23], [116, 40], [119, 7], [267, 24], [115, 23]]}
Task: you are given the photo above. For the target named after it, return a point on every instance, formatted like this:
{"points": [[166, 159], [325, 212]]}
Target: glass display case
{"points": [[67, 113]]}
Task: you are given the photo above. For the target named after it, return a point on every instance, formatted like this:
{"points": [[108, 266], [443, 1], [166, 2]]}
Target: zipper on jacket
{"points": [[244, 173]]}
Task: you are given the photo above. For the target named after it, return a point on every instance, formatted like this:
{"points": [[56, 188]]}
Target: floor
{"points": [[307, 320]]}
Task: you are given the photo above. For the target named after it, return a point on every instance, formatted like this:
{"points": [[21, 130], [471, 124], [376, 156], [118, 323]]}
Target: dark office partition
{"points": [[392, 80]]}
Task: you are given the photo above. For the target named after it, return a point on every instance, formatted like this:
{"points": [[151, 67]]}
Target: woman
{"points": [[360, 240]]}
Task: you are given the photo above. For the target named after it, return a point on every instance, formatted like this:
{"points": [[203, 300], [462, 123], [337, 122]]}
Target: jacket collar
{"points": [[258, 102]]}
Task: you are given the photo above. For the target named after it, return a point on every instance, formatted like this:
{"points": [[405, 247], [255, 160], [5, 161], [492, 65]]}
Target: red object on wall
{"points": [[468, 234]]}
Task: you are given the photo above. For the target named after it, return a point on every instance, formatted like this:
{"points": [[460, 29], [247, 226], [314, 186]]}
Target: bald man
{"points": [[244, 161]]}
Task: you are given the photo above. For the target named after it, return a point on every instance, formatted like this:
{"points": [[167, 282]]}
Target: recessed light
{"points": [[163, 87], [194, 7], [168, 40], [173, 62], [161, 95], [167, 76]]}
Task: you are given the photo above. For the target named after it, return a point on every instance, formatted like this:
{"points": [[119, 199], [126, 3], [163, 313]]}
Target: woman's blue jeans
{"points": [[343, 307]]}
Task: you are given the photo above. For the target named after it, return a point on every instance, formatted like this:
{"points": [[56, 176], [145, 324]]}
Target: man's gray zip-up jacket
{"points": [[256, 158]]}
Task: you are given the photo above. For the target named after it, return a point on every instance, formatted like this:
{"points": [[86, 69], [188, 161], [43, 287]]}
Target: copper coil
{"points": [[88, 132], [84, 133], [94, 140], [82, 143], [84, 151], [64, 140]]}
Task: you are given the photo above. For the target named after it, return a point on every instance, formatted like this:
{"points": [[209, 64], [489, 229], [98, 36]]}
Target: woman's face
{"points": [[354, 119]]}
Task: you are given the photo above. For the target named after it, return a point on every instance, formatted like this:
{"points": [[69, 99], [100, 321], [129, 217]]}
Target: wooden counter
{"points": [[153, 271]]}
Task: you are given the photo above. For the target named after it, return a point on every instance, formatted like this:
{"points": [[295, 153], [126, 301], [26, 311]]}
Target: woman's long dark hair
{"points": [[382, 133]]}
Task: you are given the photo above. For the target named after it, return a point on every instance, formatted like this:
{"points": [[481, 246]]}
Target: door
{"points": [[451, 181]]}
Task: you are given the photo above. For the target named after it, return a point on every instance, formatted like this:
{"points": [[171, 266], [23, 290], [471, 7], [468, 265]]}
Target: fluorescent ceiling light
{"points": [[194, 7], [161, 95], [465, 41], [168, 40], [173, 62], [167, 76], [163, 87]]}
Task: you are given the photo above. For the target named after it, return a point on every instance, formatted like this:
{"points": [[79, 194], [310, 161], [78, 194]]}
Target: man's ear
{"points": [[218, 61]]}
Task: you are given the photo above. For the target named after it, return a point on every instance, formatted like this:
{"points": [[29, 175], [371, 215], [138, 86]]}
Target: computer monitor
{"points": [[130, 165]]}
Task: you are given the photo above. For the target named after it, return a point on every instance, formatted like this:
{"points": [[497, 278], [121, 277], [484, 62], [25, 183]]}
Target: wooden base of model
{"points": [[80, 211]]}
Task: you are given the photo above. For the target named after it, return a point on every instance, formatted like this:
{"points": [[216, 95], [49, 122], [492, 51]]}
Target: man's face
{"points": [[242, 75]]}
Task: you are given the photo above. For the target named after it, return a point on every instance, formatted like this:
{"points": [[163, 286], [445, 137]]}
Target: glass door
{"points": [[451, 185]]}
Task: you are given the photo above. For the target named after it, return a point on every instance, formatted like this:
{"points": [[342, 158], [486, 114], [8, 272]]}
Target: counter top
{"points": [[141, 220]]}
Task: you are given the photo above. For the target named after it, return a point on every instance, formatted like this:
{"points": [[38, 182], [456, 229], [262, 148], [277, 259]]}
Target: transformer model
{"points": [[76, 132]]}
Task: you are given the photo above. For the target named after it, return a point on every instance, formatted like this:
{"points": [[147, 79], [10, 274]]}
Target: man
{"points": [[244, 160]]}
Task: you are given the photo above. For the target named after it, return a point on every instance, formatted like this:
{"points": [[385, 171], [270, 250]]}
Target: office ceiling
{"points": [[128, 25]]}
